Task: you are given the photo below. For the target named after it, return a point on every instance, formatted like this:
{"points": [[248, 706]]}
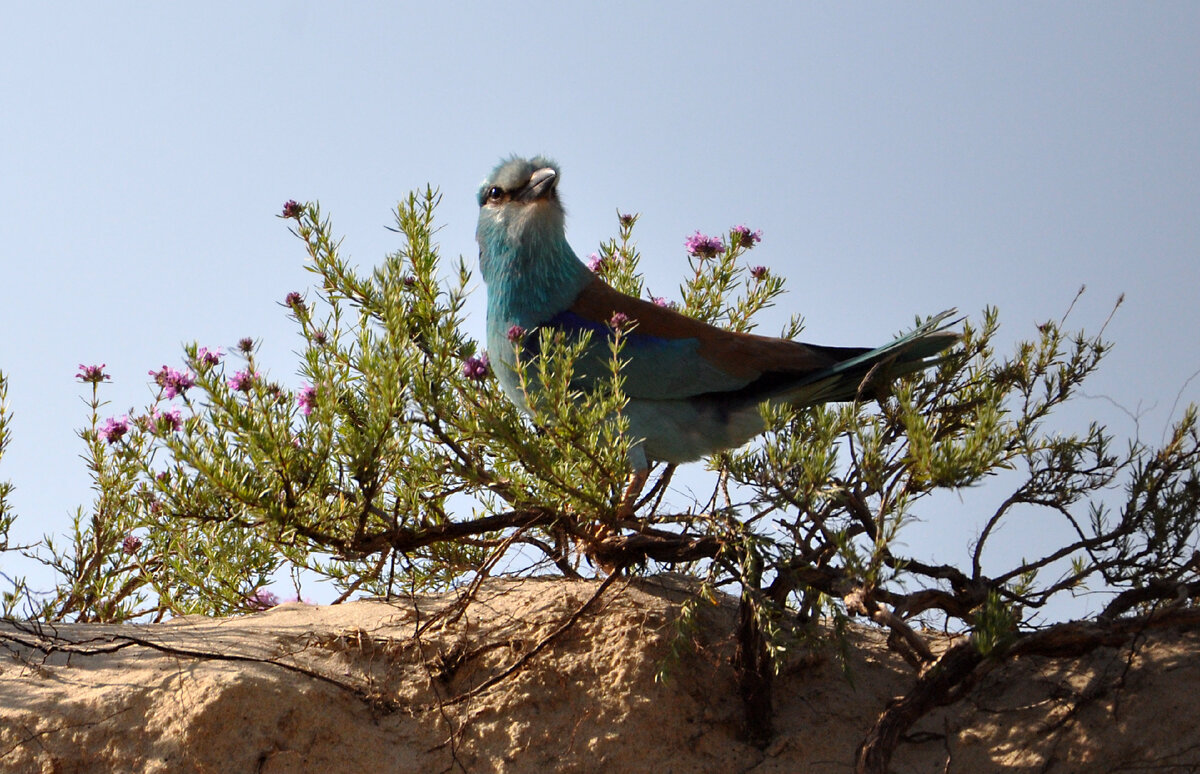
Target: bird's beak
{"points": [[541, 184]]}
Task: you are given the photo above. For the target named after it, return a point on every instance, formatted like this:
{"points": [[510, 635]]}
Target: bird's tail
{"points": [[866, 373]]}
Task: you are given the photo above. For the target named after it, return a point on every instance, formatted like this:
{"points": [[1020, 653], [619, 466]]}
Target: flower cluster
{"points": [[703, 246], [664, 302], [131, 544], [295, 301], [262, 600], [306, 399], [242, 381], [291, 209], [476, 368], [618, 321], [173, 382], [209, 357], [596, 263], [94, 374], [745, 238], [113, 428], [516, 333], [170, 419], [758, 272]]}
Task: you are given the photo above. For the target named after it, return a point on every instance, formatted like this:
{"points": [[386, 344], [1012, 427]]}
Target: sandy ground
{"points": [[390, 686]]}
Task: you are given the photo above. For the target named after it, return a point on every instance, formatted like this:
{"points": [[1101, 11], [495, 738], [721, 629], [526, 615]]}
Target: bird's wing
{"points": [[673, 356]]}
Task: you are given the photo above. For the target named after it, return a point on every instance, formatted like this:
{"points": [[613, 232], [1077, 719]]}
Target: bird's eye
{"points": [[495, 193]]}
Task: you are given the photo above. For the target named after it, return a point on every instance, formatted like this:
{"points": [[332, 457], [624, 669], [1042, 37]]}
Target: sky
{"points": [[900, 159]]}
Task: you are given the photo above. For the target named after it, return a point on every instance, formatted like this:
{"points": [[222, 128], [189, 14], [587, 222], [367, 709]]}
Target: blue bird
{"points": [[692, 388]]}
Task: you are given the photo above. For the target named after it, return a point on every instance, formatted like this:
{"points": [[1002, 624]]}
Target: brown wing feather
{"points": [[743, 355]]}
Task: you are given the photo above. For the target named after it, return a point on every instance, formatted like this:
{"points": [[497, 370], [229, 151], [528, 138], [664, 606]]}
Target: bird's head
{"points": [[520, 212], [522, 183]]}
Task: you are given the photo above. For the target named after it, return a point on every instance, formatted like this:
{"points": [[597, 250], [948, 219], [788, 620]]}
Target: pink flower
{"points": [[595, 263], [94, 374], [476, 368], [112, 430], [172, 382], [516, 333], [744, 237], [242, 381], [306, 399], [703, 246], [291, 209], [262, 600], [209, 357], [131, 544], [171, 419], [618, 321], [295, 301]]}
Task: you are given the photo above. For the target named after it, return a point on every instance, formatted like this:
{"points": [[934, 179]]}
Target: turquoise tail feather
{"points": [[862, 375]]}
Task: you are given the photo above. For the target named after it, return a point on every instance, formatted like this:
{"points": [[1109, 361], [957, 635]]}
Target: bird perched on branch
{"points": [[692, 388]]}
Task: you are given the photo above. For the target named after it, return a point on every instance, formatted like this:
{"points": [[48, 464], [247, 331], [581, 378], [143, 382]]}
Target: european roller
{"points": [[692, 388]]}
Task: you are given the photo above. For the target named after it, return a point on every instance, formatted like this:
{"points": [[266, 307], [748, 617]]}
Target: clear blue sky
{"points": [[899, 158]]}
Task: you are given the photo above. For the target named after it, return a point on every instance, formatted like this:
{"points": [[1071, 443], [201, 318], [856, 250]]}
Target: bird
{"points": [[692, 389]]}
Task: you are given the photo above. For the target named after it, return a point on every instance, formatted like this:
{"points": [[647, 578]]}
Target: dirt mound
{"points": [[423, 685]]}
